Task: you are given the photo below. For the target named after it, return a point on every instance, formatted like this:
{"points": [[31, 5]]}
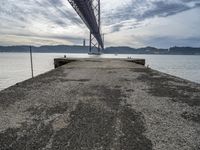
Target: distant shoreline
{"points": [[104, 53], [108, 50]]}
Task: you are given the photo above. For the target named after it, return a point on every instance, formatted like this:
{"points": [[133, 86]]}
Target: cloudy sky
{"points": [[135, 23]]}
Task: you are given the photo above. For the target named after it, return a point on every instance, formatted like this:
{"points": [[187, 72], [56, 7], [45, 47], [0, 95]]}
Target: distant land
{"points": [[108, 50]]}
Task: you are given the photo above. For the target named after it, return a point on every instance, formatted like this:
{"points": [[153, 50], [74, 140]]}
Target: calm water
{"points": [[15, 67]]}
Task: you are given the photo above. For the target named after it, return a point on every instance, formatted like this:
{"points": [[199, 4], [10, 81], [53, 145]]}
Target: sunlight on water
{"points": [[15, 67]]}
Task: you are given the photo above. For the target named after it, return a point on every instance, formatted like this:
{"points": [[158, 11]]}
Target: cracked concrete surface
{"points": [[101, 104]]}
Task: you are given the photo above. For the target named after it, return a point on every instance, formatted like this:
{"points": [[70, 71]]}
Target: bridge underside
{"points": [[89, 11]]}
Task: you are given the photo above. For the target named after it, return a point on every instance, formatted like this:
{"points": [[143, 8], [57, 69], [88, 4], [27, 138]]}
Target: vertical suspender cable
{"points": [[99, 22], [31, 58], [90, 48]]}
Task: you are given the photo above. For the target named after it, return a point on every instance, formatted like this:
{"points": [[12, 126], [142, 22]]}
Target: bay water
{"points": [[15, 67]]}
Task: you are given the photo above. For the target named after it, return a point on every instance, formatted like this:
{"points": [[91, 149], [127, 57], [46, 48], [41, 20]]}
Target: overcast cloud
{"points": [[136, 23]]}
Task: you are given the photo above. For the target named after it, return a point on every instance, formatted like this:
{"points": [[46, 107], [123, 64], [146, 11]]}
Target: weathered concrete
{"points": [[101, 104], [63, 61]]}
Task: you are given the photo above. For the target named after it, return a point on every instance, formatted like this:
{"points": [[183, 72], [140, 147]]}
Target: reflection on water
{"points": [[15, 67]]}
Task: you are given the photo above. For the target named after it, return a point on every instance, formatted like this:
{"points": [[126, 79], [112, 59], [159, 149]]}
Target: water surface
{"points": [[15, 67]]}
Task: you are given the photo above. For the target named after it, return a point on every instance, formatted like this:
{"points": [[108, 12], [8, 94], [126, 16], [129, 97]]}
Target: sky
{"points": [[134, 23]]}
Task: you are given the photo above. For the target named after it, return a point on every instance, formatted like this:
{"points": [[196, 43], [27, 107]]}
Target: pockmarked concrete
{"points": [[101, 104]]}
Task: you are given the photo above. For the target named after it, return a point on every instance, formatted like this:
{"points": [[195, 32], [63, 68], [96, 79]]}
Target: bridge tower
{"points": [[94, 45]]}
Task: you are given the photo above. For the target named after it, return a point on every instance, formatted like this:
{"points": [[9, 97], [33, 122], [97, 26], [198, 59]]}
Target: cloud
{"points": [[182, 28], [31, 40], [40, 18], [127, 22], [59, 11], [141, 10]]}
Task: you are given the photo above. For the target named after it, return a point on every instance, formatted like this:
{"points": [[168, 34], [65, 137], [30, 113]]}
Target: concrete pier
{"points": [[63, 61], [101, 104]]}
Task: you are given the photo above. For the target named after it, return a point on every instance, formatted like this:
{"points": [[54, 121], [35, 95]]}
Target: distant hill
{"points": [[184, 50], [128, 50], [108, 50], [46, 49]]}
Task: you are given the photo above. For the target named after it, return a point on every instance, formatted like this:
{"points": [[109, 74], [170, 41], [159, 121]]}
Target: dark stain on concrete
{"points": [[92, 128], [81, 83], [94, 60], [132, 122], [48, 111], [133, 127], [125, 80], [161, 87], [34, 136], [74, 80], [7, 137], [10, 96], [117, 86], [31, 137], [89, 129], [112, 97], [138, 70], [111, 72], [130, 90], [191, 117]]}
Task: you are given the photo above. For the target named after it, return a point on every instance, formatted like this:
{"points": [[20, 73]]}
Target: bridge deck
{"points": [[101, 104]]}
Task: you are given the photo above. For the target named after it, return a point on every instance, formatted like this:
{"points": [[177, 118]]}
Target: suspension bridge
{"points": [[90, 13]]}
